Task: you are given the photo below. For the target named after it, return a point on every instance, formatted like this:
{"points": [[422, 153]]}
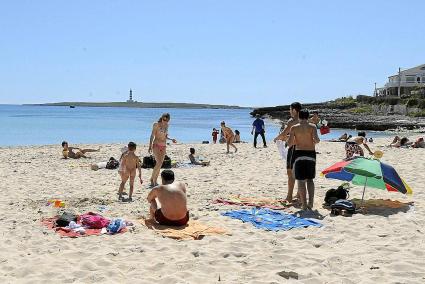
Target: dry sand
{"points": [[385, 246]]}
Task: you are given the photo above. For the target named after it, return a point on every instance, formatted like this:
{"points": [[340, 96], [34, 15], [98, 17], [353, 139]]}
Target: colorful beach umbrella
{"points": [[368, 172]]}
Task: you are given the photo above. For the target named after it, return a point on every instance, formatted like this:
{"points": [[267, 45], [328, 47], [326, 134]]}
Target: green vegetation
{"points": [[379, 100], [415, 102], [343, 103], [418, 114], [362, 109]]}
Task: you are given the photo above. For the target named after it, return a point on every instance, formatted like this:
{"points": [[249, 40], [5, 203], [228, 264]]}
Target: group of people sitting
{"points": [[404, 142]]}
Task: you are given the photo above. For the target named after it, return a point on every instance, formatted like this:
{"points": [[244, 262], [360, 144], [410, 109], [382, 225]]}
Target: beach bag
{"points": [[281, 147], [334, 194], [324, 129], [112, 164], [64, 219], [342, 204], [148, 162], [167, 162], [94, 221]]}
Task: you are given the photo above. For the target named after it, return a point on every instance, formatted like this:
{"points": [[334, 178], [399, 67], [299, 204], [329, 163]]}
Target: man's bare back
{"points": [[304, 136], [172, 199]]}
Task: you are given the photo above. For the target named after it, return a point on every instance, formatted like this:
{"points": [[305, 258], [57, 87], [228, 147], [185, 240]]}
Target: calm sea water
{"points": [[40, 125]]}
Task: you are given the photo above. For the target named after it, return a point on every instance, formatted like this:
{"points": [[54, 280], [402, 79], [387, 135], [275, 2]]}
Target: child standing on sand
{"points": [[128, 164], [214, 135]]}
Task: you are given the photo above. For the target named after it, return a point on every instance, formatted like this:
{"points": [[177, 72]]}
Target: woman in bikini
{"points": [[158, 144]]}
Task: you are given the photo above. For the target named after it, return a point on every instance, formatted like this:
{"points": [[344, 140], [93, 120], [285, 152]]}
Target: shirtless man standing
{"points": [[294, 110], [128, 164], [303, 136], [158, 144], [228, 135], [172, 207]]}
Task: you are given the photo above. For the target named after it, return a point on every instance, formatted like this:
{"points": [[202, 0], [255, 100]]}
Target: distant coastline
{"points": [[140, 105]]}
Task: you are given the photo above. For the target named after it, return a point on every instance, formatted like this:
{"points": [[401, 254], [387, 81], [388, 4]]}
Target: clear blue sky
{"points": [[250, 53]]}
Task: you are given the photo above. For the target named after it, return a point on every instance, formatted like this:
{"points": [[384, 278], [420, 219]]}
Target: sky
{"points": [[239, 52]]}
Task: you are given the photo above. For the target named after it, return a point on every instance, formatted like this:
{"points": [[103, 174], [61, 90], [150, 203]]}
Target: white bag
{"points": [[283, 151]]}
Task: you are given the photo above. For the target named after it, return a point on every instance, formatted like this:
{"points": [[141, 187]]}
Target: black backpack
{"points": [[64, 219], [112, 164], [333, 194], [167, 163], [148, 162]]}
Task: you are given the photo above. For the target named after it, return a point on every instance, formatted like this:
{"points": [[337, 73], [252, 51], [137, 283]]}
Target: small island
{"points": [[130, 103]]}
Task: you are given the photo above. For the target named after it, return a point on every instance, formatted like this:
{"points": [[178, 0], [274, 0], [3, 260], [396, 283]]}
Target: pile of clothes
{"points": [[72, 225]]}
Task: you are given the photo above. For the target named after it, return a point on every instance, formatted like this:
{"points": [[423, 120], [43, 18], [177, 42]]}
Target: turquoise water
{"points": [[41, 125]]}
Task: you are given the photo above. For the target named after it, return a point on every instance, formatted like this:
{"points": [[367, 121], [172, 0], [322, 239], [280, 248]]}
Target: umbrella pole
{"points": [[364, 189]]}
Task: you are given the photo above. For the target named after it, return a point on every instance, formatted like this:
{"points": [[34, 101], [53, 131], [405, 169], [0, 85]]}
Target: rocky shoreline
{"points": [[340, 117]]}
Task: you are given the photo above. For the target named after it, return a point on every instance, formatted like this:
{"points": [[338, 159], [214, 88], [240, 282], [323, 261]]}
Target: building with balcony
{"points": [[405, 82]]}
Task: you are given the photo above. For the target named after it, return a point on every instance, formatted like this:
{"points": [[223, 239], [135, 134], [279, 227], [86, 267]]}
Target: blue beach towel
{"points": [[271, 220]]}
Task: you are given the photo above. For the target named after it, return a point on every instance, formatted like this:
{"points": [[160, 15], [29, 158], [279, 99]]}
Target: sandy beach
{"points": [[382, 246]]}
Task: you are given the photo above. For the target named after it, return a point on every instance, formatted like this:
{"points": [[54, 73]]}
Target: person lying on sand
{"points": [[401, 142], [419, 143], [68, 152], [171, 207], [128, 164], [195, 160], [352, 146], [343, 138]]}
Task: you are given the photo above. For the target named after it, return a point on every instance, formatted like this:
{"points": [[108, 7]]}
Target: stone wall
{"points": [[394, 109]]}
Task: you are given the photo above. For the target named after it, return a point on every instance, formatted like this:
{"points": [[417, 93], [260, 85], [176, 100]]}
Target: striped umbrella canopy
{"points": [[368, 172]]}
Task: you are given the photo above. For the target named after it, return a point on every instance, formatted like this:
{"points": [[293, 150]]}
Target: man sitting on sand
{"points": [[352, 146], [171, 207], [129, 162], [68, 152], [304, 137], [195, 160]]}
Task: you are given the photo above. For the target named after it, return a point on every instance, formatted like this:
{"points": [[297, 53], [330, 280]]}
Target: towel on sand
{"points": [[382, 203], [276, 204], [194, 230], [271, 220], [69, 233]]}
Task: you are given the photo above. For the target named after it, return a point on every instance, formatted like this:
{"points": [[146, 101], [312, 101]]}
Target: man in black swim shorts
{"points": [[294, 110], [304, 137]]}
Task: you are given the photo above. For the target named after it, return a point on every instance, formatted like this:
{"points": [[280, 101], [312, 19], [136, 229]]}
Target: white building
{"points": [[404, 82]]}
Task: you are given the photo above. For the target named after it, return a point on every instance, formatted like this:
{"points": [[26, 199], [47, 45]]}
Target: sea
{"points": [[44, 125]]}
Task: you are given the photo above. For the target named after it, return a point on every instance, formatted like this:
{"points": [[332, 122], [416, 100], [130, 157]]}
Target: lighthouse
{"points": [[130, 99]]}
